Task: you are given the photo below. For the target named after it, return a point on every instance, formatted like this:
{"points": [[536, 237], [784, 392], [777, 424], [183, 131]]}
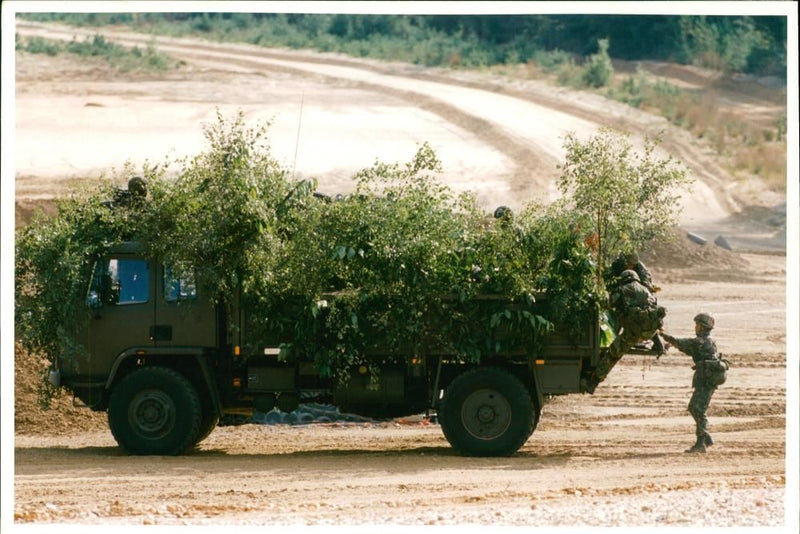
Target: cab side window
{"points": [[179, 282], [120, 281]]}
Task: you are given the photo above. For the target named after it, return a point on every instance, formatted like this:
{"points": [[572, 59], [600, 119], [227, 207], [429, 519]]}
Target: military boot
{"points": [[589, 384], [658, 346], [707, 439], [699, 446]]}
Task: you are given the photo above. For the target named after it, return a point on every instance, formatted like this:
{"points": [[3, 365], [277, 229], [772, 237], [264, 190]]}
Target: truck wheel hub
{"points": [[152, 413], [486, 414]]}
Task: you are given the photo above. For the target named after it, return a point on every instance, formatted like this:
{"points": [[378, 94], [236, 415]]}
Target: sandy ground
{"points": [[610, 459]]}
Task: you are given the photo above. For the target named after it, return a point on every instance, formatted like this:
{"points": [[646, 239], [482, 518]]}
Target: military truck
{"points": [[166, 364]]}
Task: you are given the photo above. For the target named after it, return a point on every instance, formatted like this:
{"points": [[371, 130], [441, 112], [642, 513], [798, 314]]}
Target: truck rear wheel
{"points": [[487, 412], [155, 410]]}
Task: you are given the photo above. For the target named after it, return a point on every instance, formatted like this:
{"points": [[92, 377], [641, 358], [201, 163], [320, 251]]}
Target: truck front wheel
{"points": [[487, 412], [208, 422], [154, 410]]}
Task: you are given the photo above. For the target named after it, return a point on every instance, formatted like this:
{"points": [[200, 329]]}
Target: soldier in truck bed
{"points": [[630, 261], [709, 372], [132, 197], [639, 316]]}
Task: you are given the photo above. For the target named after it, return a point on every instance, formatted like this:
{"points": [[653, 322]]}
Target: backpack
{"points": [[716, 370]]}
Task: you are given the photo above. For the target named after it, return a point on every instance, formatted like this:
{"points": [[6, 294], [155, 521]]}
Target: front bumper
{"points": [[55, 377]]}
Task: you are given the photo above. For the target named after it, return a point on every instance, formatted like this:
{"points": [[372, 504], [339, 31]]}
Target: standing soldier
{"points": [[709, 372]]}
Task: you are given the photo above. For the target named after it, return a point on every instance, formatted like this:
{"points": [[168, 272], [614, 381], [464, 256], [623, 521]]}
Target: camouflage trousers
{"points": [[698, 404], [617, 349], [610, 357], [638, 327]]}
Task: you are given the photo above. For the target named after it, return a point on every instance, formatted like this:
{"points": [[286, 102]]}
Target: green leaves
{"points": [[400, 267], [627, 198]]}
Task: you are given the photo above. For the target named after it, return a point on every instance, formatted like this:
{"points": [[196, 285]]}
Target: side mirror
{"points": [[93, 301]]}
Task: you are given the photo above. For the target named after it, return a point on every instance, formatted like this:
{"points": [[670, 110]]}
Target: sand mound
{"points": [[680, 252], [29, 415]]}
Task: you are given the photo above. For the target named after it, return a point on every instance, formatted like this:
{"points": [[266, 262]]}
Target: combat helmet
{"points": [[705, 320], [503, 212], [137, 186], [631, 258], [628, 276]]}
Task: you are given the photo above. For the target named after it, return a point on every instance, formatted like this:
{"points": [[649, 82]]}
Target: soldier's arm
{"points": [[684, 345]]}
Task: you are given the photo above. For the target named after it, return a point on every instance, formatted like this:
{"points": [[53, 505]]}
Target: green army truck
{"points": [[167, 364]]}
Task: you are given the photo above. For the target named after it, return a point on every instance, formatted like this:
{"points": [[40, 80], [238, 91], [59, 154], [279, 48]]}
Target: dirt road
{"points": [[610, 459]]}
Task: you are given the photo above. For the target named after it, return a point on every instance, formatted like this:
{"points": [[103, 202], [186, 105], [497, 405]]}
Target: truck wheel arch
{"points": [[189, 361]]}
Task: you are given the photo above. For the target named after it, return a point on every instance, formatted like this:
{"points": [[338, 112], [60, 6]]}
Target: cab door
{"points": [[183, 315], [122, 299]]}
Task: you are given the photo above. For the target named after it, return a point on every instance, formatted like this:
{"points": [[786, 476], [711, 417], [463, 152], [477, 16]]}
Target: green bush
{"points": [[550, 60], [120, 57], [598, 71], [38, 45], [570, 75], [629, 199]]}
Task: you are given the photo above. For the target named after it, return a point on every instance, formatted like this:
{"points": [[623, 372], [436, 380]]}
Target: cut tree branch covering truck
{"points": [[232, 288], [167, 364]]}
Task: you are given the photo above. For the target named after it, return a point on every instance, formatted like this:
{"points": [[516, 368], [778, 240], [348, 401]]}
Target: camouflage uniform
{"points": [[131, 197], [701, 348], [640, 317], [630, 261]]}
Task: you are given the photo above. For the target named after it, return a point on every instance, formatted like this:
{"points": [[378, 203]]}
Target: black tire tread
{"points": [[150, 376], [208, 423], [504, 382]]}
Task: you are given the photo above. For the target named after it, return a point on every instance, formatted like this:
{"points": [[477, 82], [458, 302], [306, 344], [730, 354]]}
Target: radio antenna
{"points": [[297, 139]]}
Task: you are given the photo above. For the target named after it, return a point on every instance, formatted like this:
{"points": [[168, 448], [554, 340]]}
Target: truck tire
{"points": [[208, 422], [209, 418], [155, 410], [487, 412]]}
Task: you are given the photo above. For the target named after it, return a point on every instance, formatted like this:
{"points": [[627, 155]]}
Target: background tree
{"points": [[630, 197], [599, 70], [756, 44]]}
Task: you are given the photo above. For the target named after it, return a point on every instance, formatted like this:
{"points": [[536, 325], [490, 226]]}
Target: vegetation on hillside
{"points": [[120, 57], [399, 263], [755, 44]]}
